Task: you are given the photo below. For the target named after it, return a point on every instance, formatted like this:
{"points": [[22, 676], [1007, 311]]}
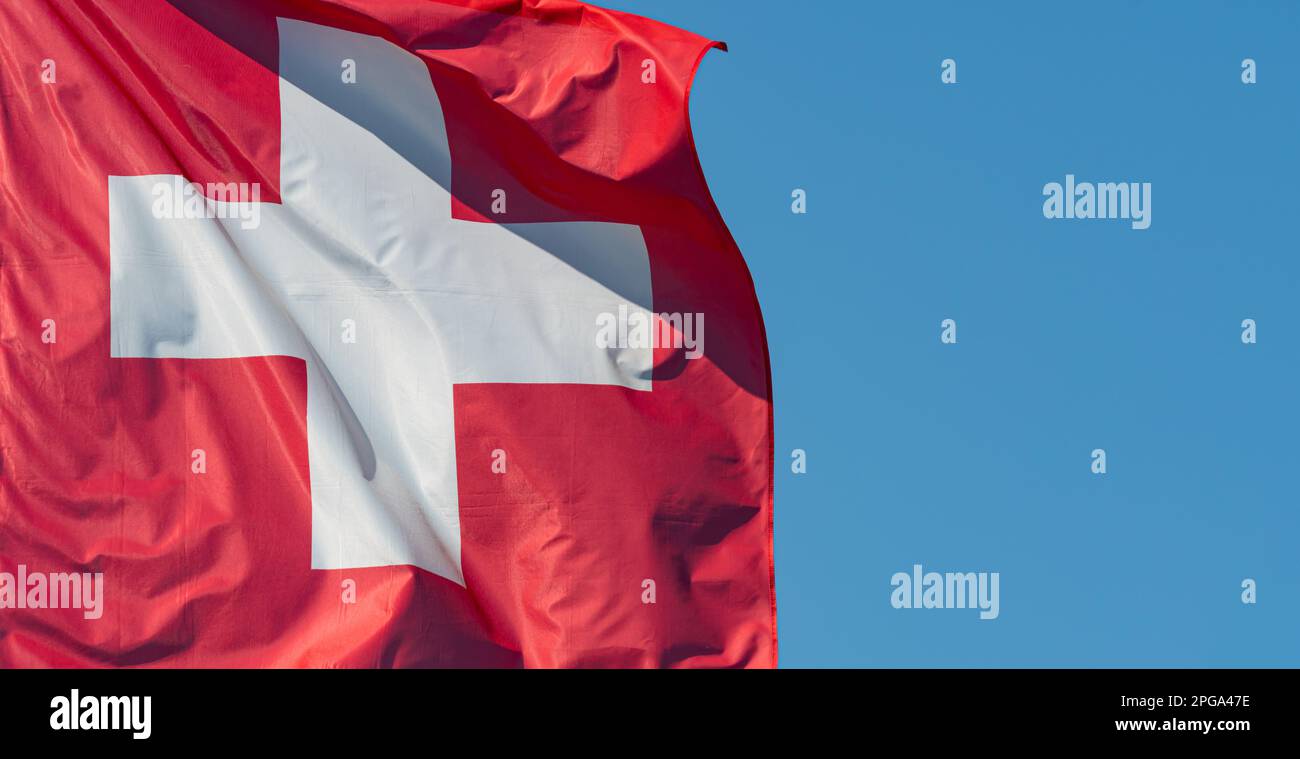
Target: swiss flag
{"points": [[371, 333]]}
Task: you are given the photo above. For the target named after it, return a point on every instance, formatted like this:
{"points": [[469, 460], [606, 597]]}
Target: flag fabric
{"points": [[371, 333]]}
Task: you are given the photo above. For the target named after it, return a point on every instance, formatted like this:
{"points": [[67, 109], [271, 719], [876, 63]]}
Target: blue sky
{"points": [[925, 203]]}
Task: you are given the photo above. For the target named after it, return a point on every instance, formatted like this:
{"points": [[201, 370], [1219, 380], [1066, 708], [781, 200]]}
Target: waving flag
{"points": [[382, 333]]}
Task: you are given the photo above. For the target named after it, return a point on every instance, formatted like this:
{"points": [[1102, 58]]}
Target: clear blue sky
{"points": [[925, 203]]}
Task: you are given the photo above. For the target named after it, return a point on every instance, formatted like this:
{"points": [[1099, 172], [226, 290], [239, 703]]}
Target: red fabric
{"points": [[606, 486]]}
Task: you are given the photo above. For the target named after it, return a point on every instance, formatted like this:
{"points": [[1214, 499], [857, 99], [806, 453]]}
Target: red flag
{"points": [[382, 333]]}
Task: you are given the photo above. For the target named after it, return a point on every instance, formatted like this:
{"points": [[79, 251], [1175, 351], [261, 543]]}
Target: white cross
{"points": [[364, 232]]}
